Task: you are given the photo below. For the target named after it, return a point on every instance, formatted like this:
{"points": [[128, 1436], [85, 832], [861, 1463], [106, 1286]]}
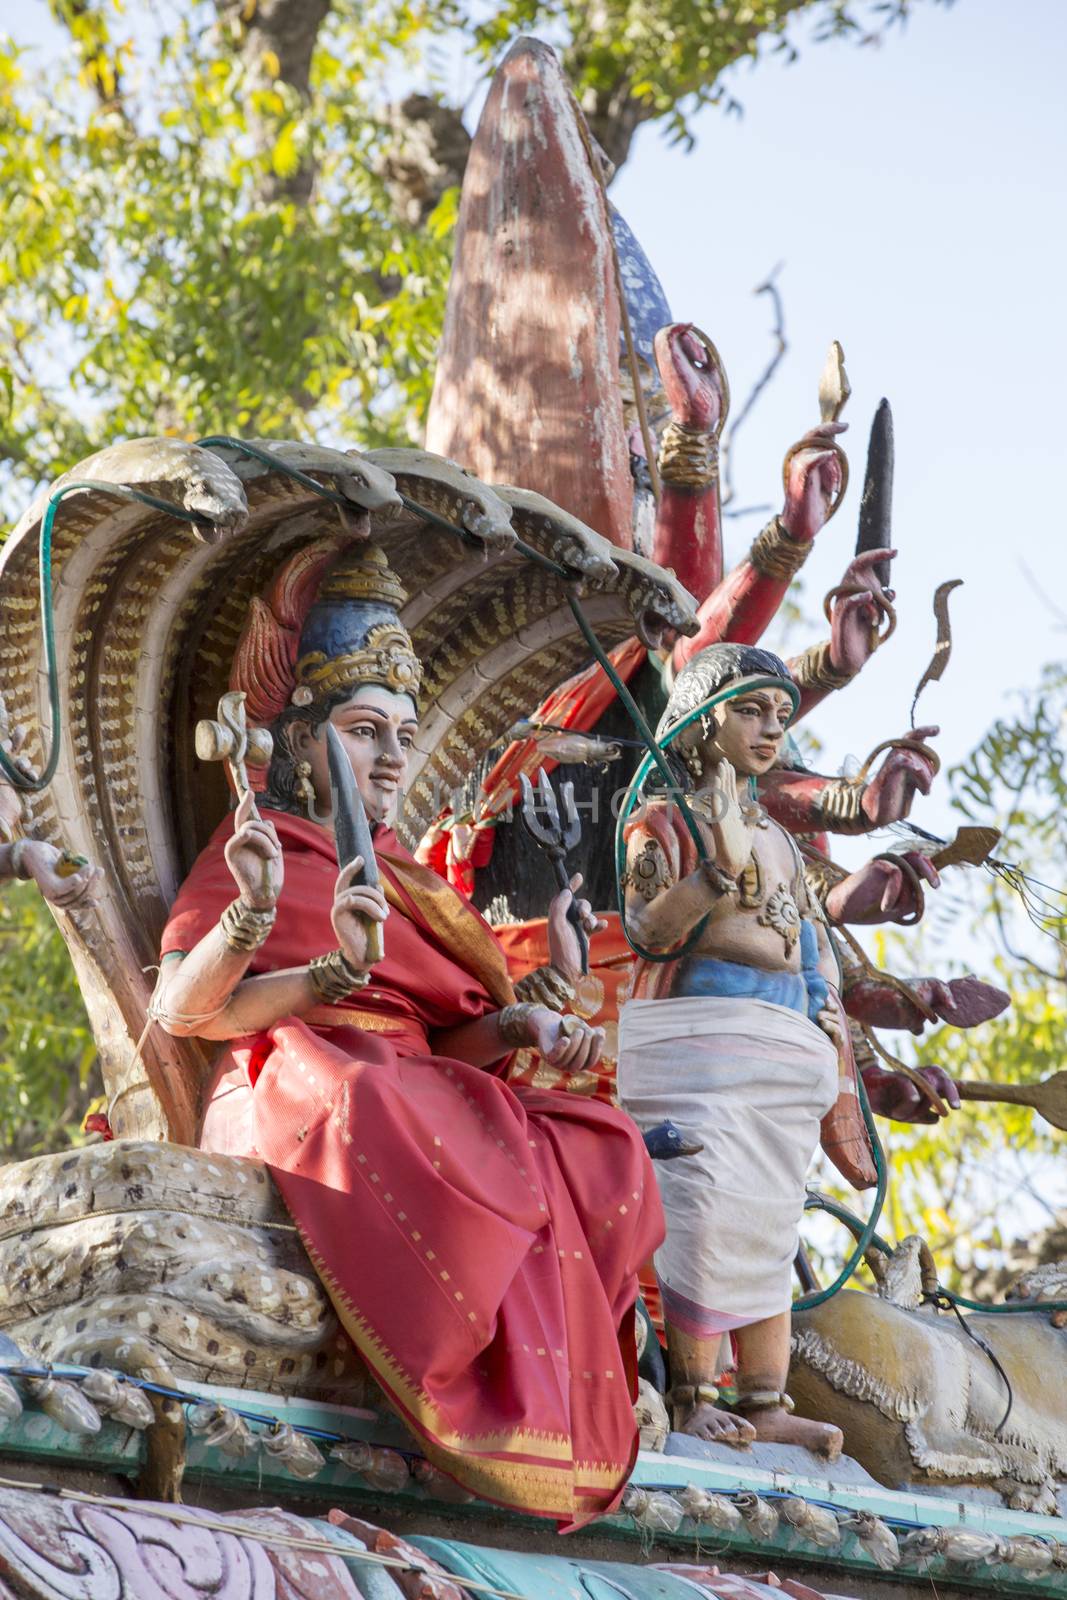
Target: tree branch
{"points": [[768, 287], [281, 32]]}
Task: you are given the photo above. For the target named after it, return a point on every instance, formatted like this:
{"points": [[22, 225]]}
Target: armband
{"points": [[775, 555]]}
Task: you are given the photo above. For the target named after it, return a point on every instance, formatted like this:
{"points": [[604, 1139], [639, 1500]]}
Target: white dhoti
{"points": [[753, 1081]]}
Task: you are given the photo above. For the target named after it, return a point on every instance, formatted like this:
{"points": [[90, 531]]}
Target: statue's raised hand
{"points": [[903, 774], [355, 906], [692, 381], [857, 609], [731, 833], [813, 480], [563, 949], [254, 857]]}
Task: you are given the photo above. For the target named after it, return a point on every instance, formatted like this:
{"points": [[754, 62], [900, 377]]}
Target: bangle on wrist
{"points": [[814, 669], [719, 879], [514, 1023], [18, 850], [244, 928], [333, 977], [776, 554], [546, 986]]}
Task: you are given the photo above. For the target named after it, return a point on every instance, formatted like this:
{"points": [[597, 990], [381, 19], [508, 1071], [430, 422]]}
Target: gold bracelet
{"points": [[688, 459], [333, 978], [764, 1400], [821, 876], [15, 855], [814, 669], [546, 986], [513, 1023], [244, 928], [775, 555], [841, 806]]}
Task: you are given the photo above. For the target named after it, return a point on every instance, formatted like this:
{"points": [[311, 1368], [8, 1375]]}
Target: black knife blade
{"points": [[876, 505]]}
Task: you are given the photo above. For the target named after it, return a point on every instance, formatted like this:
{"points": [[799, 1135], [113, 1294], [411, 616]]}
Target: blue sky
{"points": [[915, 193]]}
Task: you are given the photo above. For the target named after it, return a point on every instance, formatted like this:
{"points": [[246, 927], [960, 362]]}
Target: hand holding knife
{"points": [[352, 832]]}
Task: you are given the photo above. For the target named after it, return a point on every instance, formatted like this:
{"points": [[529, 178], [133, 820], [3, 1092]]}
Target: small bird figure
{"points": [[665, 1142]]}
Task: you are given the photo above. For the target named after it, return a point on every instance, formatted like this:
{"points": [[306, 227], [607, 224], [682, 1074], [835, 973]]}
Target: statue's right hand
{"points": [[355, 905], [731, 833], [254, 857]]}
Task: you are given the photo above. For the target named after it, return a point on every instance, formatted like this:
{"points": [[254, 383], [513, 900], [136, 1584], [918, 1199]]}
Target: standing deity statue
{"points": [[733, 1032]]}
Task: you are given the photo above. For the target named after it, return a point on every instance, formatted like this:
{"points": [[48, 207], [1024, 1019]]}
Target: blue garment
{"points": [[805, 991]]}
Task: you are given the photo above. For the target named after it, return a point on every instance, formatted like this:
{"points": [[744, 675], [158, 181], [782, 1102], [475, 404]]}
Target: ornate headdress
{"points": [[352, 634], [721, 667], [328, 622]]}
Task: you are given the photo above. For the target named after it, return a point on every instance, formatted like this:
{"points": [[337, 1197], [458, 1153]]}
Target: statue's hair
{"points": [[713, 669], [281, 792]]}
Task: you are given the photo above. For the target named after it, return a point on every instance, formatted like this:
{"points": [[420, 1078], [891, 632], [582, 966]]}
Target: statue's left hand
{"points": [[563, 951], [881, 891], [856, 616], [565, 1042], [80, 888], [830, 1023], [893, 1095], [813, 480], [903, 774]]}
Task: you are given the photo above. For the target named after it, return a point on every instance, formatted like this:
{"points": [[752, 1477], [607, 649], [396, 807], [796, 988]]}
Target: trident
{"points": [[555, 837], [230, 740]]}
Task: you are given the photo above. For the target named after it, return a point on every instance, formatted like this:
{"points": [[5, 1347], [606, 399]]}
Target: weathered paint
{"points": [[527, 387]]}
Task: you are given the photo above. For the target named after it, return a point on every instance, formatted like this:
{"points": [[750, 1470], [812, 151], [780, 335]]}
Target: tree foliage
{"points": [[236, 216], [48, 1073], [229, 223], [994, 1175]]}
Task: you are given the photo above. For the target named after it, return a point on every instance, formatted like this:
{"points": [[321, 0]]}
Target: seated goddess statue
{"points": [[479, 1241]]}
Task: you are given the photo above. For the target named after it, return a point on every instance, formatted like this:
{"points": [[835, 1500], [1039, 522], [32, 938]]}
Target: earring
{"points": [[304, 786], [691, 757]]}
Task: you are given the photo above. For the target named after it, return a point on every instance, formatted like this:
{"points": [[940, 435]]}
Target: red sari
{"points": [[479, 1241]]}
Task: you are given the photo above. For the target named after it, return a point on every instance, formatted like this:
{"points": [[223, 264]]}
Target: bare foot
{"points": [[703, 1421], [779, 1426]]}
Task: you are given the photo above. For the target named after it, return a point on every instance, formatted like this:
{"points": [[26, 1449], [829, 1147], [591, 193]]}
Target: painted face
{"points": [[750, 729], [377, 729]]}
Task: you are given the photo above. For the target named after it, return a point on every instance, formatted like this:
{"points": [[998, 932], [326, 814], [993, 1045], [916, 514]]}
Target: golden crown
{"points": [[363, 574], [387, 658]]}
